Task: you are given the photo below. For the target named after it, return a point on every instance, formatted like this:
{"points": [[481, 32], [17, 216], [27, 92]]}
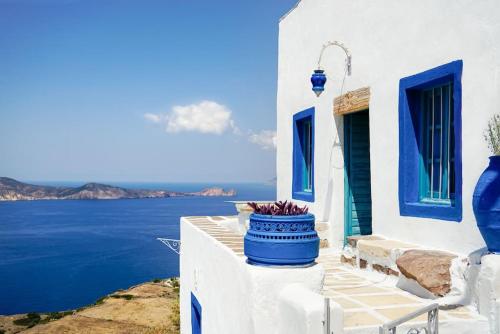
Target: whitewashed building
{"points": [[393, 150]]}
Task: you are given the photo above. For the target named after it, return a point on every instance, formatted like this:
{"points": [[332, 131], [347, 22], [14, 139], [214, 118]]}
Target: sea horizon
{"points": [[47, 182], [63, 254]]}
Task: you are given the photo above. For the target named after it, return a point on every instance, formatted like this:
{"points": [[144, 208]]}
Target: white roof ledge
{"points": [[291, 10]]}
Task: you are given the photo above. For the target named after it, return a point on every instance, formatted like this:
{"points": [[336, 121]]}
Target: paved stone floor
{"points": [[213, 226], [368, 299]]}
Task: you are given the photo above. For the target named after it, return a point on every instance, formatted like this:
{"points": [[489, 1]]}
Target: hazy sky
{"points": [[172, 90]]}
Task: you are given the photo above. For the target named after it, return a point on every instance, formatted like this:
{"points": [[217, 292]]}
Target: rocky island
{"points": [[13, 190]]}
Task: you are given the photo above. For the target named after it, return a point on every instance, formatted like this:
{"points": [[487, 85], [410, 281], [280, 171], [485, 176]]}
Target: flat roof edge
{"points": [[291, 10]]}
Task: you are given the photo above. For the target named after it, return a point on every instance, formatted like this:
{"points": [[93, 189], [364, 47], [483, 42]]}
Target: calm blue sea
{"points": [[58, 255]]}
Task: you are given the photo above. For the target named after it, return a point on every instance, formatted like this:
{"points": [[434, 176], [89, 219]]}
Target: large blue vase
{"points": [[281, 240], [486, 204]]}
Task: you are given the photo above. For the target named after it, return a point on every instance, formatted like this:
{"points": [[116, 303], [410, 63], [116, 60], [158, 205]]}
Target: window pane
{"points": [[446, 143], [303, 156], [452, 149], [437, 144], [307, 155]]}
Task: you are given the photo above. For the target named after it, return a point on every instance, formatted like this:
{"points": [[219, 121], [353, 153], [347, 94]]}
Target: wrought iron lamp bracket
{"points": [[340, 45]]}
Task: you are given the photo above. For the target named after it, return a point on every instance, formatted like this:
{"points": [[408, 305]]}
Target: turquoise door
{"points": [[357, 188]]}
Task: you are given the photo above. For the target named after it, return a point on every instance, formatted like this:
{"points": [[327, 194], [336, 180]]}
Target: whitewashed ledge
{"points": [[240, 298]]}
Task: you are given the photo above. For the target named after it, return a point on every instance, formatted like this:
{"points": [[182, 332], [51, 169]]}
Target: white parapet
{"points": [[236, 297], [305, 312], [488, 290]]}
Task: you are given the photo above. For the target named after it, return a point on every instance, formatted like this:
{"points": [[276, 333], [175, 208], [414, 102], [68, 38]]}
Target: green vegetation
{"points": [[100, 300], [157, 280], [492, 134], [125, 296], [2, 331], [55, 316], [31, 319], [174, 283]]}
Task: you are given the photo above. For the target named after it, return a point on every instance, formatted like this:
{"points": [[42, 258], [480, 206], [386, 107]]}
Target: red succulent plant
{"points": [[278, 208]]}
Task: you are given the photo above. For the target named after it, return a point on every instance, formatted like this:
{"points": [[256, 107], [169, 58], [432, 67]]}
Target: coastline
{"points": [[147, 308], [14, 190]]}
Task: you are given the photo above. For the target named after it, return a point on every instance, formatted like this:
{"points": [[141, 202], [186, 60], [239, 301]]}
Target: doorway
{"points": [[357, 185]]}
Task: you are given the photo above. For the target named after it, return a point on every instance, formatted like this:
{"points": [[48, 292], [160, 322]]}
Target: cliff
{"points": [[148, 308], [214, 192]]}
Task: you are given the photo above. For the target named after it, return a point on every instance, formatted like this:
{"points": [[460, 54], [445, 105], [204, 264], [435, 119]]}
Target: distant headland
{"points": [[13, 190]]}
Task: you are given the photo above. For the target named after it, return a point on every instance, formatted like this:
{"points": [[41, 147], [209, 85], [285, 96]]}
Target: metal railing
{"points": [[327, 322], [432, 322]]}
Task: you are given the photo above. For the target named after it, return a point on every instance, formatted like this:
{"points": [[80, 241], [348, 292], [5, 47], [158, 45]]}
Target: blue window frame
{"points": [[430, 153], [303, 156], [195, 315]]}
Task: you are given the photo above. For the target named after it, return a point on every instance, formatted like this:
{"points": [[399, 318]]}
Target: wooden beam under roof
{"points": [[353, 101]]}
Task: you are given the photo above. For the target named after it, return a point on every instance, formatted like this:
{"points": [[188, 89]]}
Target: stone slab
{"points": [[382, 248], [431, 269], [353, 240]]}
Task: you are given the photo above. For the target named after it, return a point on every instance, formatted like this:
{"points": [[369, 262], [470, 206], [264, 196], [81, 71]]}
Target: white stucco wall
{"points": [[240, 298], [488, 291], [389, 40]]}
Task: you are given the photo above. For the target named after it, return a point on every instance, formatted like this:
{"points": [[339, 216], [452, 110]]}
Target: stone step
{"points": [[429, 269], [374, 252], [353, 240], [323, 230]]}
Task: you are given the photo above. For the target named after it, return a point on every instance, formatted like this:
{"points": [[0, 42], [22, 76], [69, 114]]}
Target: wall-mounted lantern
{"points": [[318, 78]]}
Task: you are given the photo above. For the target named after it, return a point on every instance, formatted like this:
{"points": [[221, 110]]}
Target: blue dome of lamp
{"points": [[318, 80]]}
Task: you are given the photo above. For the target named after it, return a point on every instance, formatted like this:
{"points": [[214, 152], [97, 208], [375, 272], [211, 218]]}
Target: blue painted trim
{"points": [[195, 315], [298, 160], [409, 157]]}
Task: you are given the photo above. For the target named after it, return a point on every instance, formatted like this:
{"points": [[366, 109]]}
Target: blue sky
{"points": [[167, 91]]}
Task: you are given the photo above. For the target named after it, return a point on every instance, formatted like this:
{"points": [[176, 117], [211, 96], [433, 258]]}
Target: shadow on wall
{"points": [[471, 277], [338, 163]]}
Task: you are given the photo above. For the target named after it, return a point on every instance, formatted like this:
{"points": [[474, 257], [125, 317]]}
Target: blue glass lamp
{"points": [[318, 80]]}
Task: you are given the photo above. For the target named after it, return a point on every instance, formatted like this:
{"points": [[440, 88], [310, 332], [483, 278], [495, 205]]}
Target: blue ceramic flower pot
{"points": [[281, 240], [486, 204]]}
